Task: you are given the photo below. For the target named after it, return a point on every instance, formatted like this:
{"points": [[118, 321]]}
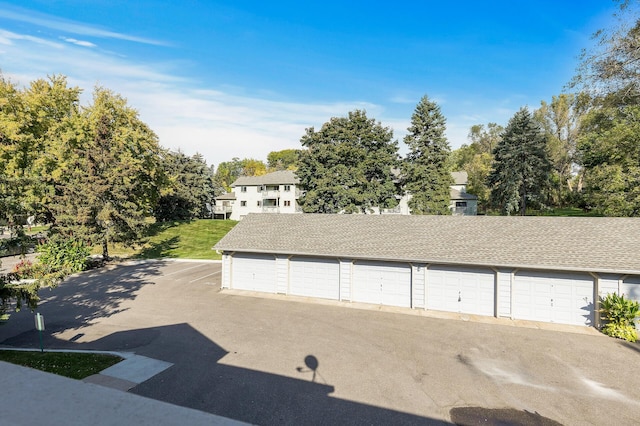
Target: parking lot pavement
{"points": [[276, 360]]}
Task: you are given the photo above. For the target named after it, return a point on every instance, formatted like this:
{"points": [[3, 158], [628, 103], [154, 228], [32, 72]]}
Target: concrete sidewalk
{"points": [[130, 372], [35, 397]]}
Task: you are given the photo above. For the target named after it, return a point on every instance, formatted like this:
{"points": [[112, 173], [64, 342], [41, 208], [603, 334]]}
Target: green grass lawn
{"points": [[182, 240], [36, 229], [69, 364], [567, 211], [562, 212]]}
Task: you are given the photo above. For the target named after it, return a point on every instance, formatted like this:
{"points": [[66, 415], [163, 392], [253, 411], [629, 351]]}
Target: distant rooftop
{"points": [[227, 196], [281, 177], [454, 194], [460, 178]]}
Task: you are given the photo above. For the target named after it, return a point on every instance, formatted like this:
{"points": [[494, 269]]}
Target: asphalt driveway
{"points": [[276, 360]]}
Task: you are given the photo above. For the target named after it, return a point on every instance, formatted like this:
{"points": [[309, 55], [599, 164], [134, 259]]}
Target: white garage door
{"points": [[255, 272], [466, 290], [384, 283], [314, 277], [553, 297], [631, 288]]}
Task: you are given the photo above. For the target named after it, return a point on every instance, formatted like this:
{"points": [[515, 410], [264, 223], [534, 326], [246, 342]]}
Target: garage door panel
{"points": [[440, 295], [254, 272], [384, 283], [631, 288], [553, 297], [466, 290], [314, 277]]}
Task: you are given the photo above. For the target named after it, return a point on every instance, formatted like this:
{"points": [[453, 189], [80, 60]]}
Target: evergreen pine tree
{"points": [[521, 166], [426, 175]]}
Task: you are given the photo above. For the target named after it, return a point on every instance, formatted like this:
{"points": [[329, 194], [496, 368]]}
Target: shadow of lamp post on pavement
{"points": [[312, 364]]}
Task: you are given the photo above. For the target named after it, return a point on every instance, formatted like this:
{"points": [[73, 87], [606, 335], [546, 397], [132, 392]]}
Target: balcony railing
{"points": [[464, 211], [270, 209], [221, 209], [395, 210], [272, 193]]}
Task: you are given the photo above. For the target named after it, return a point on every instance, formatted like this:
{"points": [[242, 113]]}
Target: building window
{"points": [[287, 203], [258, 203], [287, 187], [243, 189], [461, 204], [243, 204]]}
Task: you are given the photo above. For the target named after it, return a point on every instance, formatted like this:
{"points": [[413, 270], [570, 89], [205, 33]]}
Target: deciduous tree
{"points": [[610, 152], [287, 159], [610, 71], [31, 120], [347, 166], [109, 182], [560, 120], [228, 171]]}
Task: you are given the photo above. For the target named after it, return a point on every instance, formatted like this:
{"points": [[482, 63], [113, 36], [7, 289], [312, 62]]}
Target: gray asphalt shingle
{"points": [[281, 177], [560, 243]]}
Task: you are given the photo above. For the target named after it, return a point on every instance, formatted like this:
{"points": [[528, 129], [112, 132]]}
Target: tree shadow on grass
{"points": [[155, 250], [158, 227]]}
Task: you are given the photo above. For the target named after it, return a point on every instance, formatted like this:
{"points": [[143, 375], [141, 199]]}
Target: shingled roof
{"points": [[558, 243], [281, 177], [454, 194], [460, 178]]}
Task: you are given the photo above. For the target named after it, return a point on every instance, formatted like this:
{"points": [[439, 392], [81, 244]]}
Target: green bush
{"points": [[626, 332], [64, 254], [619, 314]]}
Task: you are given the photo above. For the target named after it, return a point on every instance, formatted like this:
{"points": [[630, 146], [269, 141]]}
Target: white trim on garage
{"points": [[226, 271], [558, 297], [345, 279], [503, 292], [282, 273], [459, 289], [418, 281], [383, 283]]}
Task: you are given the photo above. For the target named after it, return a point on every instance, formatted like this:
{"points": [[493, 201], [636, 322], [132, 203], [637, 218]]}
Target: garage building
{"points": [[549, 269]]}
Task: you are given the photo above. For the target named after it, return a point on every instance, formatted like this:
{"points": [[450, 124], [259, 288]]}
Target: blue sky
{"points": [[243, 78]]}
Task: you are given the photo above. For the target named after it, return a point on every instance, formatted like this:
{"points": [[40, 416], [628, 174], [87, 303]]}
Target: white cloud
{"points": [[78, 42], [222, 126], [8, 38], [217, 123], [68, 26], [405, 99]]}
